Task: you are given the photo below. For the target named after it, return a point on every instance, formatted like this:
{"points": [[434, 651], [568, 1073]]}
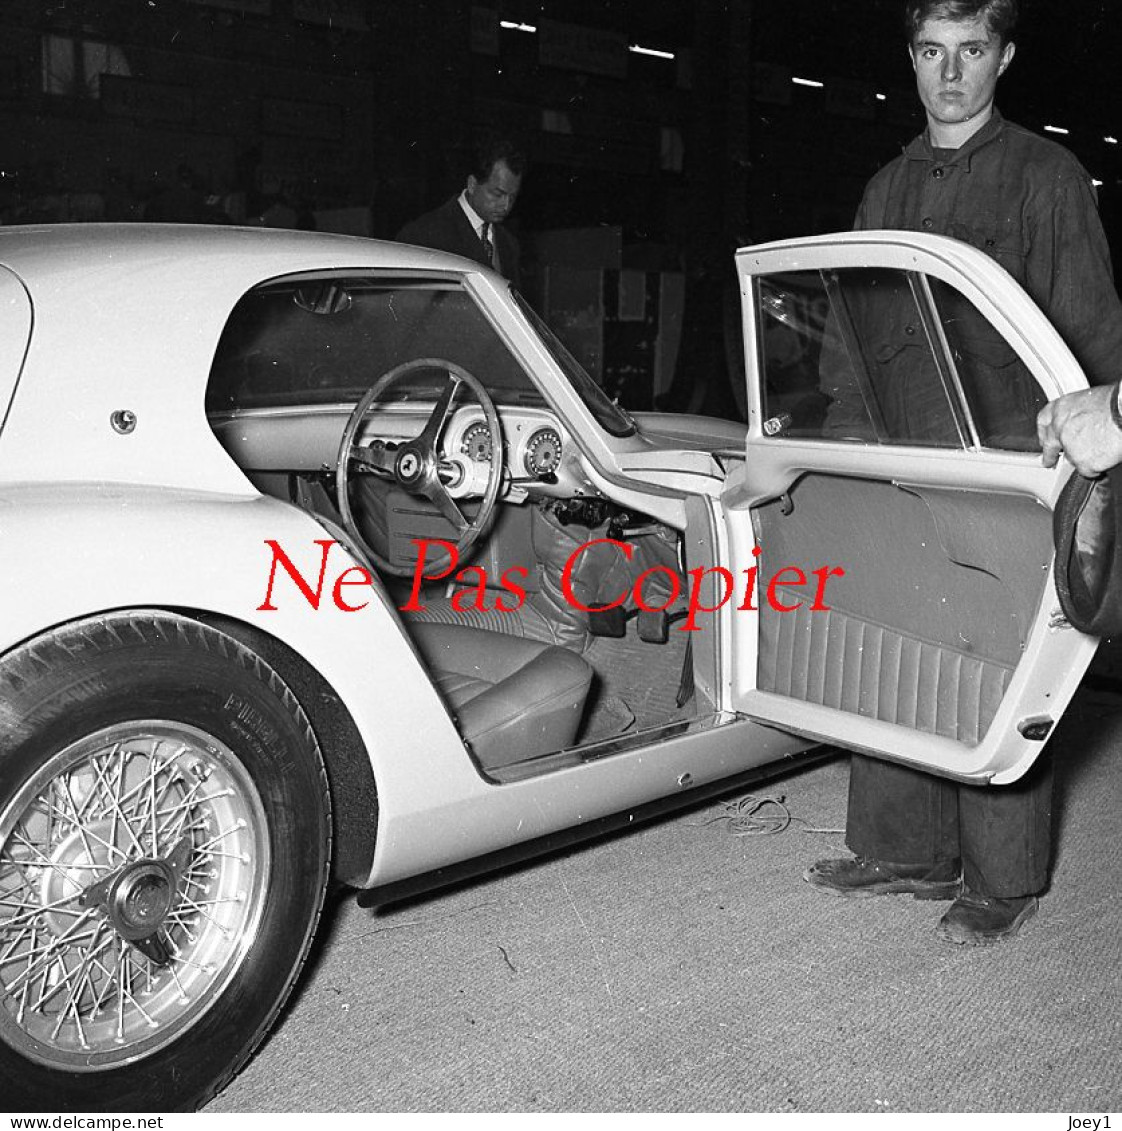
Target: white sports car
{"points": [[323, 561]]}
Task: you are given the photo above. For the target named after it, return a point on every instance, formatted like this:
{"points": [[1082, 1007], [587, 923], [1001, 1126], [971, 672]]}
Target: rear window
{"points": [[327, 341]]}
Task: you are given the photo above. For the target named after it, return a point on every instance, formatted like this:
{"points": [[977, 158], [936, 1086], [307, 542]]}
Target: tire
{"points": [[165, 843]]}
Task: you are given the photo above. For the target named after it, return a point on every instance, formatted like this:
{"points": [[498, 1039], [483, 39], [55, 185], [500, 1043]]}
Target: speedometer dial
{"points": [[543, 452], [476, 444]]}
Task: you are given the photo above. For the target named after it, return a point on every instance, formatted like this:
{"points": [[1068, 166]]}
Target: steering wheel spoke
{"points": [[439, 497], [416, 466], [438, 418]]}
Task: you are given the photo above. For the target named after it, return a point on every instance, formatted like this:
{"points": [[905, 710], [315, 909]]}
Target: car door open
{"points": [[894, 498]]}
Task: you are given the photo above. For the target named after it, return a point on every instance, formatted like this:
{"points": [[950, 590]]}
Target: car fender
{"points": [[69, 551]]}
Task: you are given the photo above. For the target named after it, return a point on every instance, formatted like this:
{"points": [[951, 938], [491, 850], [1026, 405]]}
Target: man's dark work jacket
{"points": [[1028, 203]]}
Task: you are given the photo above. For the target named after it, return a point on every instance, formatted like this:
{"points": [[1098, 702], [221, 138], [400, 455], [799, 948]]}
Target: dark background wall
{"points": [[370, 102], [752, 120]]}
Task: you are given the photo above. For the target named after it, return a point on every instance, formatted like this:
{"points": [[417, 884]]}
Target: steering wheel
{"points": [[416, 465]]}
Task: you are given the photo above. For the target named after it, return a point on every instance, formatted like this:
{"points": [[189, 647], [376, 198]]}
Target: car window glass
{"points": [[317, 342], [849, 355], [613, 418], [1003, 396]]}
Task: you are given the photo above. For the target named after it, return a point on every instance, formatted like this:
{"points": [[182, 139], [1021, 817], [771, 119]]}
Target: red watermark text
{"points": [[781, 591]]}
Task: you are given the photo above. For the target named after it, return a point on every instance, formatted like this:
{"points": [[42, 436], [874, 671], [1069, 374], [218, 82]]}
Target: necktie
{"points": [[488, 246]]}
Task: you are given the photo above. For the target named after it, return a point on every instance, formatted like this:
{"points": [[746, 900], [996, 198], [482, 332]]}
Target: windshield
{"points": [[610, 416]]}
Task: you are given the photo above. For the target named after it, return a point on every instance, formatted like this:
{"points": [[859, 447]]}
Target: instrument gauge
{"points": [[476, 444], [543, 452]]}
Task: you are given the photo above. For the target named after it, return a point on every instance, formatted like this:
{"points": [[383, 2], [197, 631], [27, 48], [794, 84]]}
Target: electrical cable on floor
{"points": [[751, 815]]}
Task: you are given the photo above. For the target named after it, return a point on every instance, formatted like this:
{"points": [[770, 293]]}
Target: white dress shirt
{"points": [[482, 229]]}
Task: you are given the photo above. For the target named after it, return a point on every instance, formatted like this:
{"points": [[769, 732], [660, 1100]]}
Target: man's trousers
{"points": [[1001, 836]]}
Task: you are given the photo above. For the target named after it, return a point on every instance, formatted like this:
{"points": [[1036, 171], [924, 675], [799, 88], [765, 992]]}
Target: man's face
{"points": [[957, 65], [493, 198]]}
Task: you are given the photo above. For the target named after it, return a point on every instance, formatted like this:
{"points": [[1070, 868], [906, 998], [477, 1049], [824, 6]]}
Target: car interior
{"points": [[394, 410], [396, 413]]}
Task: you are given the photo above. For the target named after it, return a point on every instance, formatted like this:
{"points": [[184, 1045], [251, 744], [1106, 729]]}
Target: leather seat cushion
{"points": [[513, 698], [528, 622]]}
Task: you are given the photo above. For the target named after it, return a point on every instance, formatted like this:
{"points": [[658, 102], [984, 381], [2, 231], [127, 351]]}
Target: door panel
{"points": [[913, 635], [893, 385]]}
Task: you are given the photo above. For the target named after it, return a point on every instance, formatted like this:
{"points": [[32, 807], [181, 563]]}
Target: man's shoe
{"points": [[977, 920], [863, 876]]}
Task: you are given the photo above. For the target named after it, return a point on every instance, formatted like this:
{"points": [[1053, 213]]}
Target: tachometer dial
{"points": [[476, 444], [543, 452]]}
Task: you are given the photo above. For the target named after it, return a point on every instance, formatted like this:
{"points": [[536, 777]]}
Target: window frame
{"points": [[954, 392]]}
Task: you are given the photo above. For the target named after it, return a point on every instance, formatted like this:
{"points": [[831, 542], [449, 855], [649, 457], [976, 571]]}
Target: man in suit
{"points": [[471, 224]]}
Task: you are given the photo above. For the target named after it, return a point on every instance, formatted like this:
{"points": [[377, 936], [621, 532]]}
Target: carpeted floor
{"points": [[682, 968], [636, 685]]}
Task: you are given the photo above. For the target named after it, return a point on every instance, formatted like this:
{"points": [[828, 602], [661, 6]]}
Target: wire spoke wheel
{"points": [[132, 874], [165, 846]]}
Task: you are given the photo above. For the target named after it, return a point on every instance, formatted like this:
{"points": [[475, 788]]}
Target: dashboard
{"points": [[541, 459], [537, 453]]}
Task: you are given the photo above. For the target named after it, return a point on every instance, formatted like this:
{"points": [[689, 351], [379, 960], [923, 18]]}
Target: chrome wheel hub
{"points": [[140, 898]]}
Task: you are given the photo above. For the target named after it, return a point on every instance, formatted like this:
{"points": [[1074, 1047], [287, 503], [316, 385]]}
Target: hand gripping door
{"points": [[895, 506]]}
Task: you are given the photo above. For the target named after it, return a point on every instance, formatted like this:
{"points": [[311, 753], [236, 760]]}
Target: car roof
{"points": [[40, 253]]}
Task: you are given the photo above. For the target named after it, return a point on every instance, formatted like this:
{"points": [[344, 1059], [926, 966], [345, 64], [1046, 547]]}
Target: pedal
{"points": [[609, 622]]}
